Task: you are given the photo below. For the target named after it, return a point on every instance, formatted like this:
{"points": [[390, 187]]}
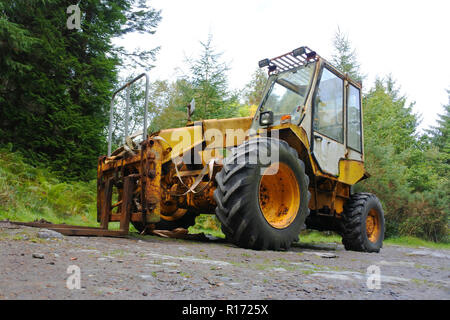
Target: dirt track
{"points": [[157, 268]]}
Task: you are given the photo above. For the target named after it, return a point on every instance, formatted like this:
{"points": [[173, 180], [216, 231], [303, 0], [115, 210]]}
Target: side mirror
{"points": [[266, 118], [191, 109]]}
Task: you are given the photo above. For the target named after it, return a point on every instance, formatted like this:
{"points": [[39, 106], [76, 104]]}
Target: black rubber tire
{"points": [[354, 235], [237, 197], [187, 220]]}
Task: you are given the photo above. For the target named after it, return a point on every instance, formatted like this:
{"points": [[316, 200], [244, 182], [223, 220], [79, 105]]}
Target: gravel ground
{"points": [[35, 267]]}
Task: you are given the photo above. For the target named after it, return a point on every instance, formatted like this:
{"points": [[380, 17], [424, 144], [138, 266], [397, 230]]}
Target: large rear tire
{"points": [[363, 223], [258, 209]]}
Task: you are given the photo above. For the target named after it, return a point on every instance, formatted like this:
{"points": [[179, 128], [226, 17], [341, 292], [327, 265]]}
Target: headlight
{"points": [[298, 52], [264, 63]]}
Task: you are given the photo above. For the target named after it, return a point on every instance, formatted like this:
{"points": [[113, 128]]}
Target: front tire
{"points": [[363, 223], [259, 210]]}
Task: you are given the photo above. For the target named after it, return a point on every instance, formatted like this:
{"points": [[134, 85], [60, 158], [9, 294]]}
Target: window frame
{"points": [[316, 89], [360, 119], [268, 90]]}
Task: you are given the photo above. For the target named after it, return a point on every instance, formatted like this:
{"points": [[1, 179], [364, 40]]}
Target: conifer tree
{"points": [[439, 135], [344, 57], [209, 85], [254, 90], [56, 82]]}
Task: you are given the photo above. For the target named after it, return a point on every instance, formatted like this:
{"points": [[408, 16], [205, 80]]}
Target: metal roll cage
{"points": [[111, 111]]}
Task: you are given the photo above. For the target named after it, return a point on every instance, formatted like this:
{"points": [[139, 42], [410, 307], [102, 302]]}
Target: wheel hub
{"points": [[279, 195], [373, 226]]}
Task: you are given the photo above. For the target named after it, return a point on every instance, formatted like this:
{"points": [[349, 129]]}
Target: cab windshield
{"points": [[288, 91]]}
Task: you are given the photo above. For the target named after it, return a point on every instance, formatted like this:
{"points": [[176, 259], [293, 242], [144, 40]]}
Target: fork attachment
{"points": [[129, 187]]}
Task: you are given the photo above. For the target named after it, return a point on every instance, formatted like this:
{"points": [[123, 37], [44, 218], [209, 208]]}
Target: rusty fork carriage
{"points": [[133, 171], [133, 180]]}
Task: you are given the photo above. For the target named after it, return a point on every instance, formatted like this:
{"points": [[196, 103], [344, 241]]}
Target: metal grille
{"points": [[289, 60]]}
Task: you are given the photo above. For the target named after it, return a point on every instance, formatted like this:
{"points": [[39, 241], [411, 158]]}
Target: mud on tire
{"points": [[238, 197]]}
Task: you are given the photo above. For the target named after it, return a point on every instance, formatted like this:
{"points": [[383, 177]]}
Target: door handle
{"points": [[318, 138]]}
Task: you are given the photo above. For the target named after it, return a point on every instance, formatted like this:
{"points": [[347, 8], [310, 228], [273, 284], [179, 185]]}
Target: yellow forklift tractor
{"points": [[265, 177]]}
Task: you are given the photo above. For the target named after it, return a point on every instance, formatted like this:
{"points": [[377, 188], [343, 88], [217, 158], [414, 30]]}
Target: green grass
{"points": [[208, 224], [308, 236], [28, 193], [416, 242], [215, 233]]}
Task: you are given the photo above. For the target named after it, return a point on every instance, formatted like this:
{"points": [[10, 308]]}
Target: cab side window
{"points": [[354, 118], [329, 106]]}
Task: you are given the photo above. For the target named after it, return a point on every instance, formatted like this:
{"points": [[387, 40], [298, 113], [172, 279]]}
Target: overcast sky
{"points": [[408, 39]]}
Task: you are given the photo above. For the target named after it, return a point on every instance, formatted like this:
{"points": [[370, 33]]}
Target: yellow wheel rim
{"points": [[279, 195], [373, 226]]}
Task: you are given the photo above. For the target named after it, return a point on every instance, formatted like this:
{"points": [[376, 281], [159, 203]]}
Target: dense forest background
{"points": [[56, 84]]}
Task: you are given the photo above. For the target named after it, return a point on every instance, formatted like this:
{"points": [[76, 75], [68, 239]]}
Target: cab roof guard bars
{"points": [[290, 60]]}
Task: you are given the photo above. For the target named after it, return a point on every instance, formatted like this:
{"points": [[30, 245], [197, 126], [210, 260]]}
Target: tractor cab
{"points": [[286, 91], [305, 90]]}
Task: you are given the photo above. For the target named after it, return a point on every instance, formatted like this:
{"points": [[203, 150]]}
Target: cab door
{"points": [[354, 123], [328, 143]]}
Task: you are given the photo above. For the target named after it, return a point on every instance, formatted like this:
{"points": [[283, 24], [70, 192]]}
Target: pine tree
{"points": [[439, 135], [143, 19], [254, 90], [387, 116], [209, 83], [407, 173], [57, 82], [344, 57], [15, 41]]}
